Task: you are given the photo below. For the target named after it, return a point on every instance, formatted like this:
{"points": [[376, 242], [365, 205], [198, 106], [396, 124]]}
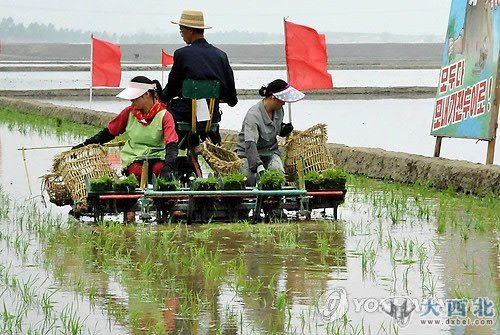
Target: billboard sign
{"points": [[466, 87]]}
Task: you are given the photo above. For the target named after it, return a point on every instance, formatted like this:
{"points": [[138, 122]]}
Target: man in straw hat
{"points": [[201, 61]]}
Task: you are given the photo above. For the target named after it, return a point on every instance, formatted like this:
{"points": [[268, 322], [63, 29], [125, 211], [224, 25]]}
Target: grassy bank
{"points": [[25, 123]]}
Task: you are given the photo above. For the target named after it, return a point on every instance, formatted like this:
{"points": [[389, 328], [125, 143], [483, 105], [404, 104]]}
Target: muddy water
{"points": [[218, 278]]}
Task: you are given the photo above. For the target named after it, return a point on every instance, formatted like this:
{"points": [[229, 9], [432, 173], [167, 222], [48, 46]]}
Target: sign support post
{"points": [[491, 144]]}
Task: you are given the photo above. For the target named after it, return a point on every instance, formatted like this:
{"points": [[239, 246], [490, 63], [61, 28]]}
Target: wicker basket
{"points": [[74, 165], [229, 140], [55, 187], [310, 146], [221, 160]]}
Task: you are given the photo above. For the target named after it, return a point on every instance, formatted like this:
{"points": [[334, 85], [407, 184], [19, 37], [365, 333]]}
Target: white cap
{"points": [[289, 94], [135, 90]]}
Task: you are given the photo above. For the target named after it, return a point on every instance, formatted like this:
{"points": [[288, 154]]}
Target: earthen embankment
{"points": [[440, 173]]}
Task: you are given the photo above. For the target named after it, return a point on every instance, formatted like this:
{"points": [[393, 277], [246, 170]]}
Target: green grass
{"points": [[26, 123]]}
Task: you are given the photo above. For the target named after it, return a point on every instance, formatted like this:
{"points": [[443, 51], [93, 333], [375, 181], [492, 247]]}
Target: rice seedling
{"points": [[147, 263], [429, 284], [368, 259], [422, 257], [190, 306], [323, 247], [461, 293], [71, 321], [288, 236], [47, 305], [464, 233]]}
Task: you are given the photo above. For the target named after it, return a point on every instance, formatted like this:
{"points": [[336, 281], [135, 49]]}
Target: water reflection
{"points": [[1, 158], [193, 279], [238, 278]]}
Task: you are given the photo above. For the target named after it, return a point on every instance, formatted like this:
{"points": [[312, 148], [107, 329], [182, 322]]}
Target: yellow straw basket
{"points": [[74, 165], [221, 160], [229, 140], [55, 187], [310, 146]]}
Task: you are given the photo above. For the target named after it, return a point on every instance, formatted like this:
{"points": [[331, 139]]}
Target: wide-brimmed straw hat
{"points": [[193, 19], [135, 90]]}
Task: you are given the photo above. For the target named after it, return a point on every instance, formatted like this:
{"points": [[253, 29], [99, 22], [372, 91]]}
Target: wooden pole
{"points": [[109, 144], [162, 69], [144, 175], [26, 170], [91, 59], [437, 146], [490, 155], [287, 74]]}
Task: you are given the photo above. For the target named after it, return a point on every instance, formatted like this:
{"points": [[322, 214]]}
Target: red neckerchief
{"points": [[145, 120]]}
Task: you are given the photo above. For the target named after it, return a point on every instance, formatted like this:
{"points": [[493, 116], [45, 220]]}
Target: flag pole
{"points": [[91, 60], [162, 69], [287, 74]]}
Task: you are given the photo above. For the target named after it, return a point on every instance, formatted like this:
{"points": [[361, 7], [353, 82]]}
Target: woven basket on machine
{"points": [[229, 140], [310, 146], [221, 160], [74, 165], [58, 193]]}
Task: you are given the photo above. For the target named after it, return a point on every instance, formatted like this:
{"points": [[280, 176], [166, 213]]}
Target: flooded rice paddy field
{"points": [[59, 275], [401, 125], [45, 80]]}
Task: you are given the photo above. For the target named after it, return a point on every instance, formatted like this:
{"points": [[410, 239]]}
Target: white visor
{"points": [[135, 90], [289, 94]]}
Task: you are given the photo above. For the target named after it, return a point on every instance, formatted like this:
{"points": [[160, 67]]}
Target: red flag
{"points": [[306, 58], [166, 59], [106, 66]]}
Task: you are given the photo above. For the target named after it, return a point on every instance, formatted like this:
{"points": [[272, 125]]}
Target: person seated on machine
{"points": [[150, 130], [257, 143], [195, 66]]}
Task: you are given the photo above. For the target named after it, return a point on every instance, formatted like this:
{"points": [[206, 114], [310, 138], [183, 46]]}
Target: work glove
{"points": [[260, 170], [101, 137], [286, 129], [78, 146], [253, 157], [171, 152], [166, 173]]}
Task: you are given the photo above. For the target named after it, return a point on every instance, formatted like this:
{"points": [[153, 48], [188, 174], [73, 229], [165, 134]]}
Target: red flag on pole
{"points": [[306, 58], [106, 66], [166, 59]]}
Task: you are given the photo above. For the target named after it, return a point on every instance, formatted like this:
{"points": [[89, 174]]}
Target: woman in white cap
{"points": [[257, 142], [149, 126]]}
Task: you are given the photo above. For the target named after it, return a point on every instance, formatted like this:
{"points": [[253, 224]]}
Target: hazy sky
{"points": [[129, 16]]}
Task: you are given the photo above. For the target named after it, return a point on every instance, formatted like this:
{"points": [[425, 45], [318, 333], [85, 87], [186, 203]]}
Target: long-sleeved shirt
{"points": [[258, 134], [202, 61], [118, 125]]}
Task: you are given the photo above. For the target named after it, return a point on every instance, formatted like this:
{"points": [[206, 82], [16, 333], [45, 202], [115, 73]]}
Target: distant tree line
{"points": [[37, 32], [12, 32]]}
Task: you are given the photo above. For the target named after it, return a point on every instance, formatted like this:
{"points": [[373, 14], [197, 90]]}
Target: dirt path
{"points": [[344, 93]]}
